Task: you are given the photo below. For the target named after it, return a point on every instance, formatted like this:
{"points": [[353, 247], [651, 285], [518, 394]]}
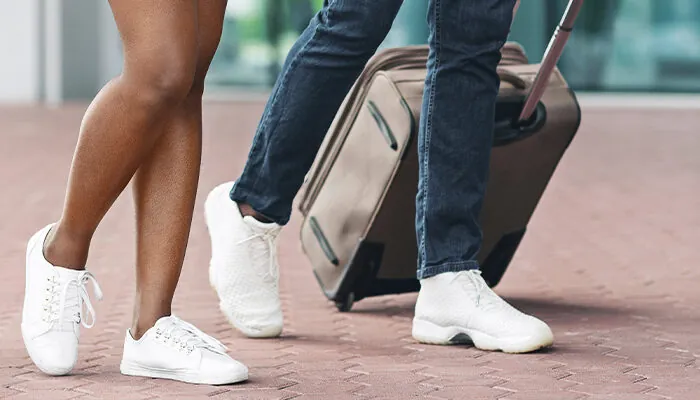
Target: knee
{"points": [[193, 99], [469, 30], [161, 84], [197, 88], [356, 31]]}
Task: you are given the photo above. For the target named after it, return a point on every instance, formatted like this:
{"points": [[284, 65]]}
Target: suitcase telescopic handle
{"points": [[551, 57]]}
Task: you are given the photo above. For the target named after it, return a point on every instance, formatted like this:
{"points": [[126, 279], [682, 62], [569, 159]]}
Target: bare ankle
{"points": [[65, 251], [248, 211], [145, 318], [138, 330], [141, 326]]}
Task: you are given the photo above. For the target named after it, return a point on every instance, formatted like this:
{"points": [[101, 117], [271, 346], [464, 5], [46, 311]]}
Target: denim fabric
{"points": [[456, 121]]}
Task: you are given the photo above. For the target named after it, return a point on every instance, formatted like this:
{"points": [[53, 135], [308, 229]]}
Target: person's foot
{"points": [[460, 307], [54, 299], [174, 349], [243, 268]]}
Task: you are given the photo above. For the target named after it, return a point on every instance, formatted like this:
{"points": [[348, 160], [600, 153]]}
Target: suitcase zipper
{"points": [[323, 242], [383, 126]]}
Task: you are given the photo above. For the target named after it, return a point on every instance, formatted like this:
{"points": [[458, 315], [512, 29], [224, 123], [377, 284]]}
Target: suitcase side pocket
{"points": [[356, 183]]}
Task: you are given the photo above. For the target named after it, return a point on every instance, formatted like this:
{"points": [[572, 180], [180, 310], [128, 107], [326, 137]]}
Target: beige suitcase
{"points": [[359, 199]]}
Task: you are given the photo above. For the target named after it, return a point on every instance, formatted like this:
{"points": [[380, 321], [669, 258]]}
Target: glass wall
{"points": [[635, 45], [259, 33], [618, 45]]}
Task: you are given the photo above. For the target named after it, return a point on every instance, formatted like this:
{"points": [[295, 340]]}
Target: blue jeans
{"points": [[456, 126]]}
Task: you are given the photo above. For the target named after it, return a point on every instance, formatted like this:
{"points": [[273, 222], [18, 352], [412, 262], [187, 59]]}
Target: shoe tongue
{"points": [[72, 304]]}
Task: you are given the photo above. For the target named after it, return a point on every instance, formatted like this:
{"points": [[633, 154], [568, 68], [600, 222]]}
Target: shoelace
{"points": [[83, 298], [474, 276], [188, 337], [271, 241]]}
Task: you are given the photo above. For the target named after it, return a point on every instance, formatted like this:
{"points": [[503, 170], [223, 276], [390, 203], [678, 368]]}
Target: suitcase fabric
{"points": [[359, 200]]}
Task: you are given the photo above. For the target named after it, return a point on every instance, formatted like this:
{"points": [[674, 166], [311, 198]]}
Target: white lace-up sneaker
{"points": [[460, 307], [175, 349], [53, 309], [243, 269]]}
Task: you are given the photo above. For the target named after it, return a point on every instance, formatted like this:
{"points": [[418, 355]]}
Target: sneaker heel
{"points": [[430, 333]]}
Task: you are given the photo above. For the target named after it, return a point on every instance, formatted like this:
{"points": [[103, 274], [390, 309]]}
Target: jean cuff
{"points": [[240, 195], [452, 266]]}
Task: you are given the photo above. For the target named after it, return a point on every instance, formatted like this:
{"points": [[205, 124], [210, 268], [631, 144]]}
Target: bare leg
{"points": [[165, 187], [125, 120]]}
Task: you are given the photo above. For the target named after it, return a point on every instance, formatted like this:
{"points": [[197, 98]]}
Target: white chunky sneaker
{"points": [[174, 349], [243, 268], [54, 298], [458, 307]]}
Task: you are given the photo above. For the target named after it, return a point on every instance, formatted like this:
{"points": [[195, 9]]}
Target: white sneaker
{"points": [[175, 349], [460, 307], [243, 268], [53, 309]]}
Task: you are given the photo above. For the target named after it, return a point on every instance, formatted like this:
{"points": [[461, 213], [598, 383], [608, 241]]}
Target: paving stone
{"points": [[253, 394], [609, 261], [544, 395]]}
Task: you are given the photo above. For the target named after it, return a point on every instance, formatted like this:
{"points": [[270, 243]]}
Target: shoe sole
{"points": [[135, 369], [429, 333], [37, 360], [268, 333]]}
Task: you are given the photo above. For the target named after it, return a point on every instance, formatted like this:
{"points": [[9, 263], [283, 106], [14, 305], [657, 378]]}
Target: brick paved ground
{"points": [[610, 261]]}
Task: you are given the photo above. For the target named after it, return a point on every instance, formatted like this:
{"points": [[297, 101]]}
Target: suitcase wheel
{"points": [[346, 304]]}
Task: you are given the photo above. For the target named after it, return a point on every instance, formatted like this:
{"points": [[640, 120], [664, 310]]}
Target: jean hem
{"points": [[453, 266], [239, 195]]}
